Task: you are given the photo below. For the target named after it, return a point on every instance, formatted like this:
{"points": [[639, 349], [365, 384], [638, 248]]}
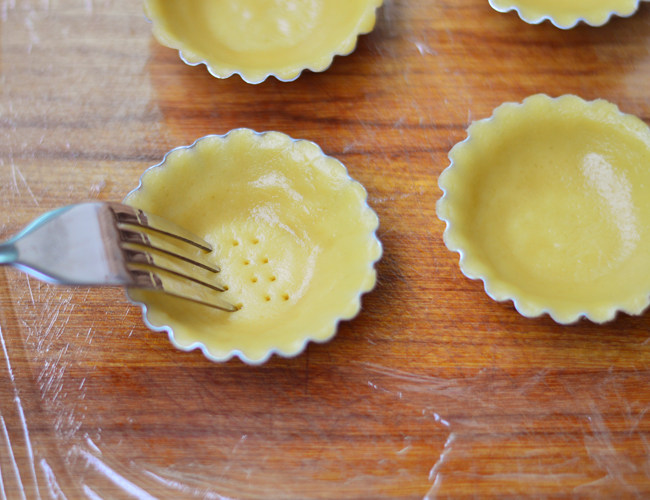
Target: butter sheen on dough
{"points": [[262, 25]]}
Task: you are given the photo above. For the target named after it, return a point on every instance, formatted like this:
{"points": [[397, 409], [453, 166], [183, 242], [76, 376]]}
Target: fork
{"points": [[92, 244]]}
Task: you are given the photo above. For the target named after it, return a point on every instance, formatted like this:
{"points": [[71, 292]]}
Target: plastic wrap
{"points": [[433, 391]]}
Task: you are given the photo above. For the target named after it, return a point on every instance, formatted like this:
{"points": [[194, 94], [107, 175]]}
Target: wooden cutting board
{"points": [[433, 391]]}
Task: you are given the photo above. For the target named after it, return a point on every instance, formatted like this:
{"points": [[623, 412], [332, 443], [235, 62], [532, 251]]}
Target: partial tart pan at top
{"points": [[548, 202], [566, 14], [292, 233], [261, 38]]}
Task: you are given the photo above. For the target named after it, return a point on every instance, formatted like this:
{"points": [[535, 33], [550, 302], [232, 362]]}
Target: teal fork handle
{"points": [[8, 253]]}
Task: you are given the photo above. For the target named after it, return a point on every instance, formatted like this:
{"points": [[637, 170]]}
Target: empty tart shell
{"points": [[566, 14], [259, 38], [548, 202], [291, 231]]}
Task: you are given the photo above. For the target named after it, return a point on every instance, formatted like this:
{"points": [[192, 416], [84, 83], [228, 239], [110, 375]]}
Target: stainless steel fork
{"points": [[92, 244]]}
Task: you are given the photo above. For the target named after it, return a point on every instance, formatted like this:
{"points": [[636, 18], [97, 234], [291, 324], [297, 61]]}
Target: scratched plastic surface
{"points": [[433, 391]]}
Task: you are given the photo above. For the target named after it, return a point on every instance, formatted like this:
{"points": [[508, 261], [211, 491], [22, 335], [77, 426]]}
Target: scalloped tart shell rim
{"points": [[591, 20], [319, 64], [319, 335], [502, 291]]}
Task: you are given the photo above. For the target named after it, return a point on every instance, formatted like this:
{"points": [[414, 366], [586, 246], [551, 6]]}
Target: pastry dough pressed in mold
{"points": [[548, 202], [261, 38], [292, 232]]}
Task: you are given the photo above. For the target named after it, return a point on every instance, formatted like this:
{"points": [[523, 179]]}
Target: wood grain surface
{"points": [[433, 391]]}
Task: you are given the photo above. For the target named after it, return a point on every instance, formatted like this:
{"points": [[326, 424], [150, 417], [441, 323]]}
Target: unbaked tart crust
{"points": [[567, 13], [260, 38], [292, 232], [548, 202]]}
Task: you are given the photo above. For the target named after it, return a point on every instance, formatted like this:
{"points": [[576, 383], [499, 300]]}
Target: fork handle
{"points": [[8, 253]]}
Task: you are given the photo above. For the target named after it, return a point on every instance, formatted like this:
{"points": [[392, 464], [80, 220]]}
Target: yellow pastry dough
{"points": [[291, 231], [567, 13], [549, 203], [258, 38]]}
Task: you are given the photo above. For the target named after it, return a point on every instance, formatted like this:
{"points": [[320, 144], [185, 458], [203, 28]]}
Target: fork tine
{"points": [[125, 214], [137, 238], [223, 305], [179, 287], [159, 263], [137, 258]]}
